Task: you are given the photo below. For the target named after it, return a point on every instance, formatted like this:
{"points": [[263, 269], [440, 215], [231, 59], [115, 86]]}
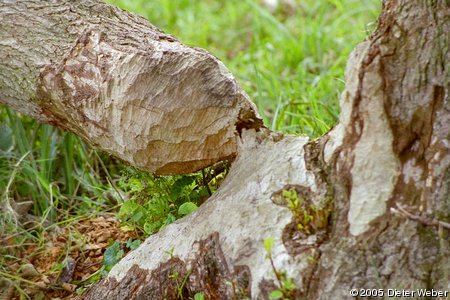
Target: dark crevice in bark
{"points": [[248, 120], [310, 223]]}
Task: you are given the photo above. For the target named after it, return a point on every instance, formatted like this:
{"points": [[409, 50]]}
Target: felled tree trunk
{"points": [[117, 81], [366, 206]]}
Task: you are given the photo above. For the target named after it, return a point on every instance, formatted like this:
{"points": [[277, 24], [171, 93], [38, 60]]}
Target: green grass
{"points": [[50, 168], [290, 61]]}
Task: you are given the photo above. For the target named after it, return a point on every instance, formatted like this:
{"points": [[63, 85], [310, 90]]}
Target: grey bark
{"points": [[377, 188]]}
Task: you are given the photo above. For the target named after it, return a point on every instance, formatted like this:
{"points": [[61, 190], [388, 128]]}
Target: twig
{"points": [[206, 183], [421, 219], [277, 275]]}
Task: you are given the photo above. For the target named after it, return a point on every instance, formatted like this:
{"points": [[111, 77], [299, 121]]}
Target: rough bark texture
{"points": [[366, 206], [390, 149], [117, 81]]}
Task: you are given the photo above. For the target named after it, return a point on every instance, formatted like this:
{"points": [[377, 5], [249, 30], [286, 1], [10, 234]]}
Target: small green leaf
{"points": [[151, 227], [132, 245], [187, 208], [112, 255], [127, 209], [268, 244], [136, 185], [276, 295], [288, 284], [199, 296], [137, 216], [39, 296], [170, 219]]}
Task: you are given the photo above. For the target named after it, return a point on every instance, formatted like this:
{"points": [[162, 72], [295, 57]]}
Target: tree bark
{"points": [[366, 206], [117, 81]]}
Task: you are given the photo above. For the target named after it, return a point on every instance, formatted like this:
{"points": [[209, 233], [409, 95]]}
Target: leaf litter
{"points": [[64, 262]]}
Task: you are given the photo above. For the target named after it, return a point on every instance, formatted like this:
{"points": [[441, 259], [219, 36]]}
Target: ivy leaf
{"points": [[187, 208], [112, 255]]}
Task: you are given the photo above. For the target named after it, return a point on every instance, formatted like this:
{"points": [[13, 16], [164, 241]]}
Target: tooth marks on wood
{"points": [[117, 81]]}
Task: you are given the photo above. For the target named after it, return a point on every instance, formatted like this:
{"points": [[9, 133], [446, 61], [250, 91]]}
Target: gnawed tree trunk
{"points": [[117, 81], [372, 197]]}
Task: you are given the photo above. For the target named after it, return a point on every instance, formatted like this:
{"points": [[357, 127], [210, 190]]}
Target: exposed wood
{"points": [[120, 83], [390, 149], [235, 220]]}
